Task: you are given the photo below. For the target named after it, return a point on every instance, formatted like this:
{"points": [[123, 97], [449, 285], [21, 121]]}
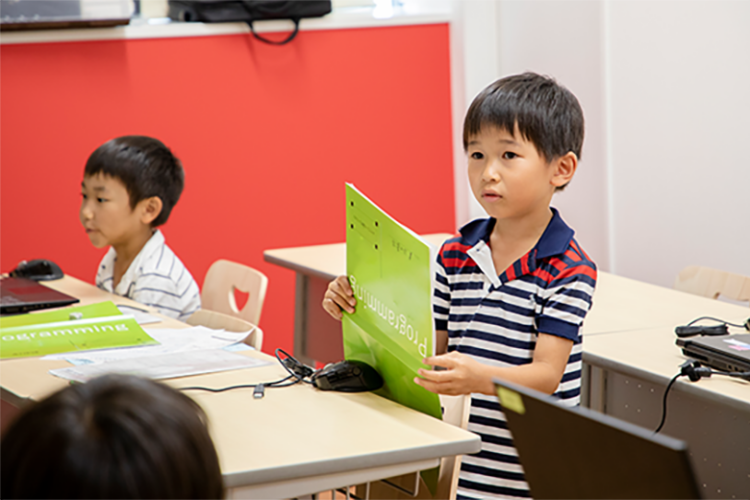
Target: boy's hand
{"points": [[462, 375], [339, 296]]}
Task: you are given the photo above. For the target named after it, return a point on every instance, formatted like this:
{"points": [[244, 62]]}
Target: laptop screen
{"points": [[574, 452], [20, 295]]}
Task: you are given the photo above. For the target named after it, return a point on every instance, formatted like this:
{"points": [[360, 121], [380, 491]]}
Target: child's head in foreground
{"points": [[130, 183], [117, 436], [530, 108]]}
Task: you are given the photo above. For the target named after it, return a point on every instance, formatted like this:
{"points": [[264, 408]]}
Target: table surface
{"points": [[291, 433], [631, 323], [620, 304]]}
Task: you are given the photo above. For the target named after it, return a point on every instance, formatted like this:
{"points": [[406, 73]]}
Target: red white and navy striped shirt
{"points": [[496, 318]]}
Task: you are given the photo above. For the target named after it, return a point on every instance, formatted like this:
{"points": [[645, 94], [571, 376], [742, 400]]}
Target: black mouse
{"points": [[347, 376], [38, 270]]}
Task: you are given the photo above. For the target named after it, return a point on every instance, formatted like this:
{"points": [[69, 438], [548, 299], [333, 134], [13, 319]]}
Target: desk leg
{"points": [[317, 336], [593, 388], [300, 320]]}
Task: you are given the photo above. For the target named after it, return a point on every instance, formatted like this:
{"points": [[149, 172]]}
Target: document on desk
{"points": [[142, 316], [94, 326], [197, 338], [164, 366]]}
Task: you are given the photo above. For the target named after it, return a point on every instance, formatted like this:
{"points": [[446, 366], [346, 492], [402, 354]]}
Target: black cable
{"points": [[664, 401], [297, 371], [694, 371], [275, 383], [294, 367], [745, 326]]}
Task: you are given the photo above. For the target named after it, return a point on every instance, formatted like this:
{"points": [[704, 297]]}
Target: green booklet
{"points": [[390, 269], [95, 326]]}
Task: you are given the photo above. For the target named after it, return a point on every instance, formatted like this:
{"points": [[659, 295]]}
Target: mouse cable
{"points": [[721, 329], [295, 367], [694, 371], [298, 372], [745, 325]]}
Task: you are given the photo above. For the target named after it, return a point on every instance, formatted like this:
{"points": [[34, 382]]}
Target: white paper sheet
{"points": [[142, 317], [197, 338], [180, 364]]}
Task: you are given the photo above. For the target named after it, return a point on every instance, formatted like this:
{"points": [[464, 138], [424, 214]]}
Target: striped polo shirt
{"points": [[496, 319], [156, 278]]}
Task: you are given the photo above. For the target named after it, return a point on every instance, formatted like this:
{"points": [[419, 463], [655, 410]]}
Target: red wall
{"points": [[267, 135]]}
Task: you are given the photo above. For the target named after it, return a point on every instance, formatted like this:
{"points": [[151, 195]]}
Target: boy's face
{"points": [[105, 211], [508, 176]]}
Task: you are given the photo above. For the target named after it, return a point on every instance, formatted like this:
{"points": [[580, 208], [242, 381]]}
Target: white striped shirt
{"points": [[156, 278], [496, 320]]}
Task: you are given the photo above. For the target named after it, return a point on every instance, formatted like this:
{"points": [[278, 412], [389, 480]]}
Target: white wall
{"points": [[664, 179], [680, 114], [561, 39]]}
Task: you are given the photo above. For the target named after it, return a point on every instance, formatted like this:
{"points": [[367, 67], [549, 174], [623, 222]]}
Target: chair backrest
{"points": [[223, 278], [713, 283], [218, 321], [455, 412]]}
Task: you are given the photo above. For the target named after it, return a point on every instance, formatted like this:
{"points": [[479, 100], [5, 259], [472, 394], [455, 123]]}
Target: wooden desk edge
{"points": [[308, 271], [471, 444]]}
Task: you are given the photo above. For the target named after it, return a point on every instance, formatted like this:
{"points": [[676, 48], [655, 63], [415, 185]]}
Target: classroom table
{"points": [[294, 441], [629, 357]]}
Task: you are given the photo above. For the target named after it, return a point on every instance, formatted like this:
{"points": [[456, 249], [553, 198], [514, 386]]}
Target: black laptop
{"points": [[574, 452], [729, 353], [21, 295]]}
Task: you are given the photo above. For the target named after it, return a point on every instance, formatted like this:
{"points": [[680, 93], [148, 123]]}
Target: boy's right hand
{"points": [[339, 296]]}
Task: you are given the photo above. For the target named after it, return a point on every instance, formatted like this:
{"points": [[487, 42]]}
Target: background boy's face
{"points": [[105, 211], [508, 176]]}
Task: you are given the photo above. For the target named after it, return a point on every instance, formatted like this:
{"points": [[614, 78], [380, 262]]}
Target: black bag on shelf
{"points": [[248, 11]]}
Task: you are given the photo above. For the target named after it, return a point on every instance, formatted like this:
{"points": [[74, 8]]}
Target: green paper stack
{"points": [[95, 326]]}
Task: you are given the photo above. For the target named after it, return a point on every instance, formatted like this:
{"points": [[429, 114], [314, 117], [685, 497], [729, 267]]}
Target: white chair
{"points": [[223, 278], [219, 321], [455, 412], [713, 283]]}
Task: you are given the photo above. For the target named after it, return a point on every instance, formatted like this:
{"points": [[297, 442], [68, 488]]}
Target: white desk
{"points": [[295, 440], [625, 305], [629, 356]]}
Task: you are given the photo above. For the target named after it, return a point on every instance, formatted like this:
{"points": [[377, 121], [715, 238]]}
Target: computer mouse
{"points": [[347, 376], [38, 270]]}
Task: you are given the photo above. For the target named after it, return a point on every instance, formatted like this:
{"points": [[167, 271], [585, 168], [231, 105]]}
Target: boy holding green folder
{"points": [[512, 290]]}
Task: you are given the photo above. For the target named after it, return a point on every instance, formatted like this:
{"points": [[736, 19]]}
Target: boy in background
{"points": [[511, 290], [130, 185]]}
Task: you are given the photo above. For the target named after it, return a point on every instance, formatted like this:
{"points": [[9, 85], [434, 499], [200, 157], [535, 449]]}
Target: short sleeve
{"points": [[177, 297], [567, 300], [441, 299]]}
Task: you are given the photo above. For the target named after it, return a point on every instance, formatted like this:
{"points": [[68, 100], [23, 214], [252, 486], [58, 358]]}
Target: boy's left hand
{"points": [[462, 375]]}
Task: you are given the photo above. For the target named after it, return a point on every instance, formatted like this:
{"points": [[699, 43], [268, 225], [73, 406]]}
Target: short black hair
{"points": [[117, 436], [145, 166], [547, 114]]}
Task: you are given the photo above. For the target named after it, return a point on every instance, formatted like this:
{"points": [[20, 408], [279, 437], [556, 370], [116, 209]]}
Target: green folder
{"points": [[95, 326], [390, 269]]}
